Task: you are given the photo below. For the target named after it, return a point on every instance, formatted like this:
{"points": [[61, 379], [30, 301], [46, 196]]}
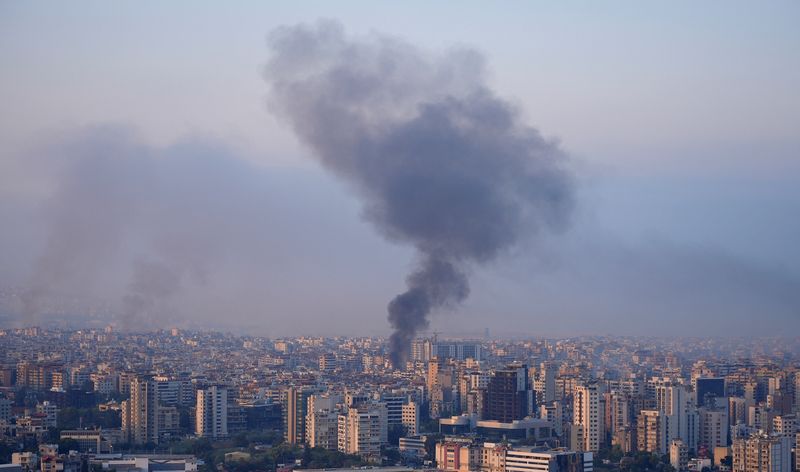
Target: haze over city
{"points": [[320, 236], [181, 164]]}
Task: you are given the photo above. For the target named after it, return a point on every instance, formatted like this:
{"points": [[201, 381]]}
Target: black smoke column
{"points": [[440, 161]]}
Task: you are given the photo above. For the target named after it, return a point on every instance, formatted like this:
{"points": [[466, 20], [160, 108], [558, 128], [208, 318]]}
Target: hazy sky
{"points": [[681, 120]]}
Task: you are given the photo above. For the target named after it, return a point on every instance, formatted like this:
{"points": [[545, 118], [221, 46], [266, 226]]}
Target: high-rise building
{"points": [[676, 403], [545, 383], [785, 425], [457, 456], [797, 452], [394, 401], [211, 413], [797, 392], [553, 412], [737, 411], [322, 428], [140, 413], [713, 427], [411, 418], [651, 433], [421, 350], [588, 411], [37, 376], [509, 396], [363, 430], [708, 387], [678, 455], [5, 409], [762, 453], [295, 409], [174, 391], [759, 417], [50, 412], [322, 421], [440, 381], [460, 350], [619, 419], [328, 363]]}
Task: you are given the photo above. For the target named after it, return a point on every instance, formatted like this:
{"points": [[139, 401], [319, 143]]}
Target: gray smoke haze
{"points": [[160, 216], [102, 176], [440, 161]]}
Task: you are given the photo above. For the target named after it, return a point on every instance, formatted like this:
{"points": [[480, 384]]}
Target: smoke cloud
{"points": [[441, 162], [160, 217]]}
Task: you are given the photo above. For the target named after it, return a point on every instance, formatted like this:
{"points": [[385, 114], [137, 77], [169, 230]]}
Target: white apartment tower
{"points": [[589, 413], [714, 427], [140, 412], [211, 417], [363, 430], [322, 421], [681, 420]]}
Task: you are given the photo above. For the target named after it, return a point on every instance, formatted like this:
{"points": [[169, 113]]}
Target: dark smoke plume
{"points": [[441, 162]]}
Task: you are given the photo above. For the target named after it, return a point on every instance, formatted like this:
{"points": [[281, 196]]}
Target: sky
{"points": [[679, 120]]}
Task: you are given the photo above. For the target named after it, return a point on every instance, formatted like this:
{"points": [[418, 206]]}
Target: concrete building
{"points": [[295, 409], [89, 440], [322, 427], [50, 412], [37, 375], [394, 401], [460, 350], [410, 418], [681, 418], [651, 432], [762, 453], [759, 417], [553, 412], [27, 460], [413, 445], [508, 395], [140, 413], [527, 460], [457, 456], [5, 409], [363, 430], [545, 382], [678, 455], [211, 412], [461, 456], [145, 462], [588, 412], [530, 429], [713, 427], [706, 388], [421, 350], [785, 425]]}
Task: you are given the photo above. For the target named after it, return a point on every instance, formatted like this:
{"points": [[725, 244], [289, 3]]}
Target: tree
{"points": [[66, 445], [430, 446], [392, 456], [396, 432]]}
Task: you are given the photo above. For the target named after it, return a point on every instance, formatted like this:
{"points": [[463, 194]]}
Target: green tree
{"points": [[66, 445]]}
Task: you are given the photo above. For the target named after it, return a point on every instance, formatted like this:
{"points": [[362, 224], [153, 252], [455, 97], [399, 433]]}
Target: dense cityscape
{"points": [[98, 399], [364, 236]]}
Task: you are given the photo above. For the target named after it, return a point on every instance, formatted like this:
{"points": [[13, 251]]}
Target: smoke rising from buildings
{"points": [[441, 162]]}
